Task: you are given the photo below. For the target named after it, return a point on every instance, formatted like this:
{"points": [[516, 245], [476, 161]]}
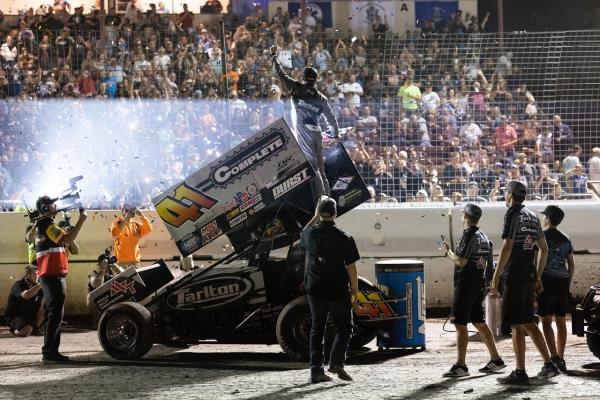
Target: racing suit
{"points": [[309, 105]]}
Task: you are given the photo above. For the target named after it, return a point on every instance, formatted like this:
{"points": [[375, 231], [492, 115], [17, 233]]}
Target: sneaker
{"points": [[560, 364], [318, 377], [493, 366], [515, 378], [548, 370], [56, 358], [457, 371], [341, 373]]}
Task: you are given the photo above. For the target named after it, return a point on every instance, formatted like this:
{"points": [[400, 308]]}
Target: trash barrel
{"points": [[403, 280]]}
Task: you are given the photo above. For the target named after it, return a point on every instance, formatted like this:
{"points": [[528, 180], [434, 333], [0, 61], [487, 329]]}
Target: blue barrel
{"points": [[403, 280]]}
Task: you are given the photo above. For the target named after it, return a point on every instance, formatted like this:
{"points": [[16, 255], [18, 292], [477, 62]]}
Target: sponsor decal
{"points": [[233, 213], [209, 228], [184, 203], [248, 157], [210, 236], [252, 190], [307, 105], [371, 305], [228, 206], [254, 210], [290, 183], [528, 243], [122, 287], [211, 293], [190, 243], [342, 183], [250, 203], [237, 220], [348, 198]]}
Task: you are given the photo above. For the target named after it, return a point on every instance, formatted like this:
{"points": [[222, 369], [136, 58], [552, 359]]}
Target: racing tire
{"points": [[361, 338], [126, 331], [593, 342], [293, 329]]}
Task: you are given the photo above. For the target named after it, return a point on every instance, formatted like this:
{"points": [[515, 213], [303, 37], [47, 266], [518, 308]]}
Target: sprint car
{"points": [[259, 195], [586, 319]]}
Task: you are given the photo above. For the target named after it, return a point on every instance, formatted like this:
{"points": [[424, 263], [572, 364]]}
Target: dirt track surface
{"points": [[214, 371]]}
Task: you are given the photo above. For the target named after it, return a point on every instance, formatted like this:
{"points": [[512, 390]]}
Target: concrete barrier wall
{"points": [[381, 232]]}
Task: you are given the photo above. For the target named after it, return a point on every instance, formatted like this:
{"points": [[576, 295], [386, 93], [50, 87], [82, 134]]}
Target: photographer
{"points": [[53, 268], [65, 224], [126, 235], [106, 269], [24, 313]]}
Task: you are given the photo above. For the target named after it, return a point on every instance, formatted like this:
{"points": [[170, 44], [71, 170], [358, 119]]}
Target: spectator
{"points": [[563, 136], [186, 19], [321, 56], [352, 92], [594, 165], [9, 52], [430, 99], [411, 95], [577, 180], [470, 132], [505, 137]]}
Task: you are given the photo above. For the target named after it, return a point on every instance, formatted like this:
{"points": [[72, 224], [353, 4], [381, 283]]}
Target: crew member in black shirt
{"points": [[24, 311], [472, 256], [556, 279], [331, 283], [522, 231], [309, 105]]}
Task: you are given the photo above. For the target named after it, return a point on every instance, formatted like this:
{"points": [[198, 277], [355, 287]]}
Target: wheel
{"points": [[293, 329], [593, 342], [361, 337], [126, 331]]}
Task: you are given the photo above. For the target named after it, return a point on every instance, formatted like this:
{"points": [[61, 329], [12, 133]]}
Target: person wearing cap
{"points": [[331, 285], [53, 267], [106, 269], [309, 105], [126, 235], [473, 193], [556, 281], [521, 233], [24, 311], [471, 258]]}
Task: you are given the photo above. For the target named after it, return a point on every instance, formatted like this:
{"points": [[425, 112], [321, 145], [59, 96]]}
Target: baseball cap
{"points": [[327, 207], [473, 210], [555, 214], [516, 187], [473, 183]]}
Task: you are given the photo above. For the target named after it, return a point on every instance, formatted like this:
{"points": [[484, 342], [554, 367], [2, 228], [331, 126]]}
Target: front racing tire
{"points": [[293, 329], [126, 331]]}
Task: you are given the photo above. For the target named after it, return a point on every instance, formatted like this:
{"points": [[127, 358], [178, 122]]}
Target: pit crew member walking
{"points": [[309, 104], [521, 232], [331, 282], [556, 279], [470, 259], [53, 267]]}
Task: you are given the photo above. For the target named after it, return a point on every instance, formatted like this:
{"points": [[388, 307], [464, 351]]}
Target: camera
{"points": [[107, 255]]}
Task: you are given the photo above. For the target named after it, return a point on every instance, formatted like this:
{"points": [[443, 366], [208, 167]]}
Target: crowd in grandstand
{"points": [[441, 122]]}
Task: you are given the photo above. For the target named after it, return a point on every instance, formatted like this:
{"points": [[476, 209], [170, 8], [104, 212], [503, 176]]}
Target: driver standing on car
{"points": [[309, 105], [331, 283]]}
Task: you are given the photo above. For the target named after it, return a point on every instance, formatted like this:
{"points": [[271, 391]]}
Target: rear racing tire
{"points": [[593, 342], [293, 329], [126, 331]]}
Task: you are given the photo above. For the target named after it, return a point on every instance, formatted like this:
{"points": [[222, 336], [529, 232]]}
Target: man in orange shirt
{"points": [[126, 235]]}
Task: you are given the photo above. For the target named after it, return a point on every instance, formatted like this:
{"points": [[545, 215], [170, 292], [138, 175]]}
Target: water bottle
{"points": [[493, 314]]}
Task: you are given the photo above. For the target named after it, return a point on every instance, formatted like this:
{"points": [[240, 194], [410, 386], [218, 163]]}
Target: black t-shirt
{"points": [[559, 248], [17, 306], [474, 246], [524, 228], [328, 251]]}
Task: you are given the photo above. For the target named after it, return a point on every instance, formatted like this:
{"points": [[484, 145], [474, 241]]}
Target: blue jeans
{"points": [[340, 315], [54, 288]]}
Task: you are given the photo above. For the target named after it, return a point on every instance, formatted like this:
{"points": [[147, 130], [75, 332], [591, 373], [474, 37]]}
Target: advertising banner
{"points": [[437, 11], [320, 10]]}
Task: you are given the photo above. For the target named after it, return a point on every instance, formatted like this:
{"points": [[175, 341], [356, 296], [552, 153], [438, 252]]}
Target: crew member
{"points": [[126, 235], [53, 268], [472, 256], [30, 234], [556, 279], [521, 232], [24, 306], [103, 273], [309, 105], [331, 283]]}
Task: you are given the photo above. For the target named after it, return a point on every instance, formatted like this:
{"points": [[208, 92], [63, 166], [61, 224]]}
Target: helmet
{"points": [[310, 74]]}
